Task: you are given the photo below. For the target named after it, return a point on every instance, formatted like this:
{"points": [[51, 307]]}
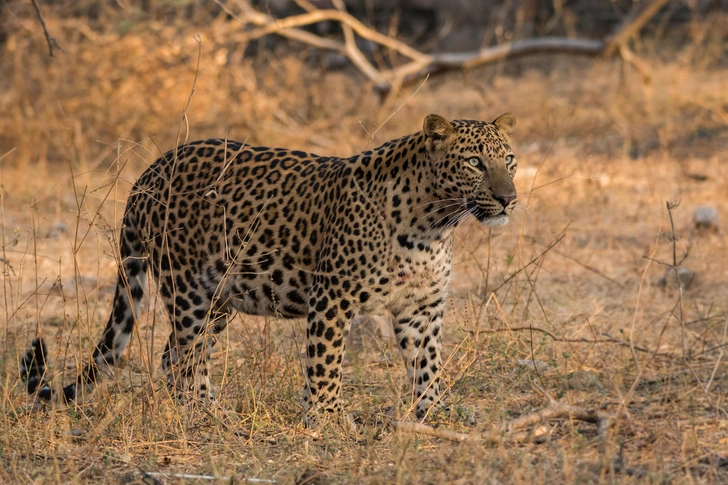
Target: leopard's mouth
{"points": [[487, 217]]}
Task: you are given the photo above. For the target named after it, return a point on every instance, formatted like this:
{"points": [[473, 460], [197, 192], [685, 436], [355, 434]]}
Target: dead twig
{"points": [[551, 245], [350, 23], [49, 38], [7, 264], [580, 340], [631, 58], [356, 56], [583, 265], [516, 430]]}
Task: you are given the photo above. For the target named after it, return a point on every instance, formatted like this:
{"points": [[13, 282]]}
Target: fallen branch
{"points": [[492, 437], [212, 478], [421, 64], [49, 38], [516, 430], [448, 61]]}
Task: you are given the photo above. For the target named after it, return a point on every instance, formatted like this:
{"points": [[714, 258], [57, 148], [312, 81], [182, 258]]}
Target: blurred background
{"points": [[128, 67]]}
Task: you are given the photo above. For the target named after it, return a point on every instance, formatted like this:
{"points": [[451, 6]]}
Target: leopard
{"points": [[225, 227]]}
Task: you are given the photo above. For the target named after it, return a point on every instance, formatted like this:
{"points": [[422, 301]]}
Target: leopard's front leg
{"points": [[329, 319], [418, 329]]}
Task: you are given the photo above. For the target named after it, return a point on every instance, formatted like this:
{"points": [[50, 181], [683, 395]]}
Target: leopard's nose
{"points": [[505, 199]]}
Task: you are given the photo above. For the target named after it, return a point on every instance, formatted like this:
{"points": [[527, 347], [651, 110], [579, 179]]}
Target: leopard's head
{"points": [[473, 166]]}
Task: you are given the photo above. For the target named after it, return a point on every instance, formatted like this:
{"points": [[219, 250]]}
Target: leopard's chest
{"points": [[414, 270]]}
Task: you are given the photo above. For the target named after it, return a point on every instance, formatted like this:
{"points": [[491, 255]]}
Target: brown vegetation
{"points": [[562, 299]]}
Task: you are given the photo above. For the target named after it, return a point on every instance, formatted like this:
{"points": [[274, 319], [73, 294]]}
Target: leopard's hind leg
{"points": [[197, 315]]}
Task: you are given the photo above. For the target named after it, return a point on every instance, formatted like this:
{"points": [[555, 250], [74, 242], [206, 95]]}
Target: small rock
{"points": [[466, 415], [706, 219], [77, 435], [583, 381], [540, 365], [685, 278]]}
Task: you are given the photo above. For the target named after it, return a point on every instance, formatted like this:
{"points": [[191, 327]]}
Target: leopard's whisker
{"points": [[438, 210], [455, 217]]}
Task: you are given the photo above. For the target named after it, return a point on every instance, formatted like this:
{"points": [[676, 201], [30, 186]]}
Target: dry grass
{"points": [[599, 155]]}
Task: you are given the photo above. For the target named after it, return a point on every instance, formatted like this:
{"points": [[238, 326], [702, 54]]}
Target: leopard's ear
{"points": [[505, 123], [437, 128]]}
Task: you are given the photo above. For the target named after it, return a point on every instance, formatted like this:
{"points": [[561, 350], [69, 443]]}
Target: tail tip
{"points": [[33, 365]]}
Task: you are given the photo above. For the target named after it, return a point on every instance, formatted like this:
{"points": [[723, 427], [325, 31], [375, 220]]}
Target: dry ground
{"points": [[600, 153]]}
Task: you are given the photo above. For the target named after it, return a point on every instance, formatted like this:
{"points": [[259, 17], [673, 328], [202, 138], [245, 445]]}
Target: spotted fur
{"points": [[268, 231]]}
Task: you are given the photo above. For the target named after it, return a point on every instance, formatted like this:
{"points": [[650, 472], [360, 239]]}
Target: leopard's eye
{"points": [[509, 159], [474, 161]]}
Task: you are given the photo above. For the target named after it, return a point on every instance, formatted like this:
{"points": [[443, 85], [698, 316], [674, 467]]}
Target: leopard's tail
{"points": [[130, 287]]}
